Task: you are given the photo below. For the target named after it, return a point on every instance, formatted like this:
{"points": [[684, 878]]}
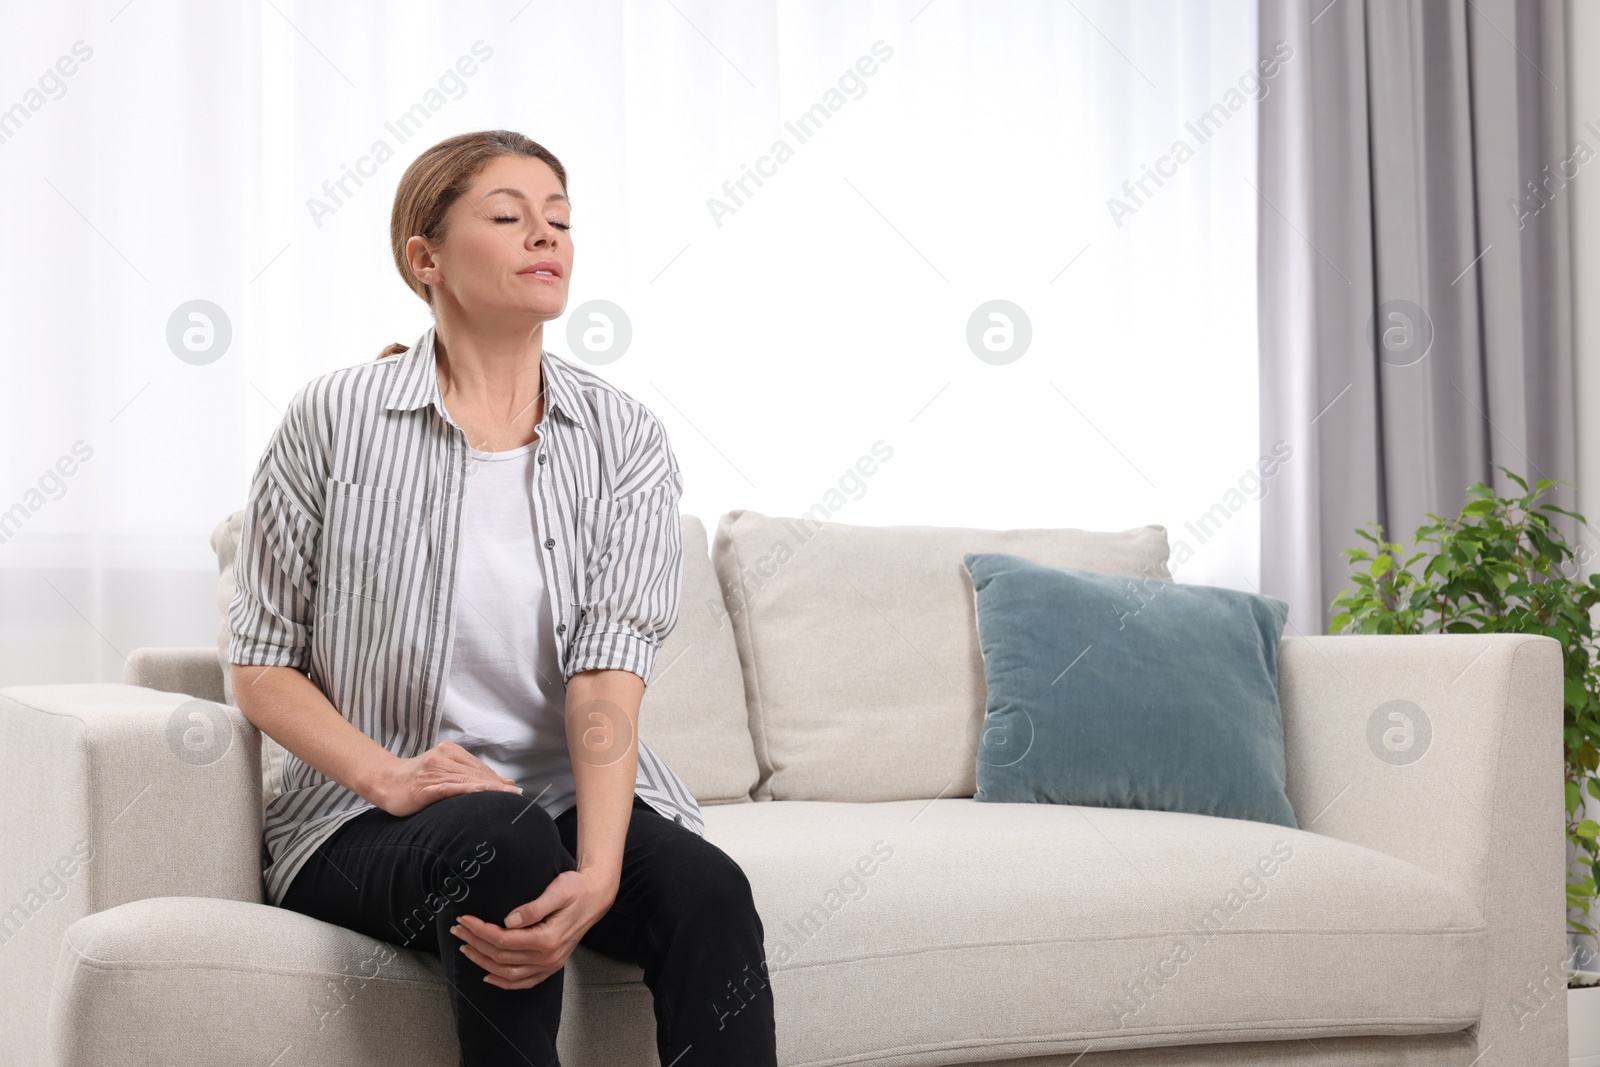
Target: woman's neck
{"points": [[493, 393]]}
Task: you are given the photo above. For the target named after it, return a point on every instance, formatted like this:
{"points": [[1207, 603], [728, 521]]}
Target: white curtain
{"points": [[959, 153]]}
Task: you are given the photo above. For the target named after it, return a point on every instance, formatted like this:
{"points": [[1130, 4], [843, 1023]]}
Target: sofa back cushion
{"points": [[859, 646], [693, 715]]}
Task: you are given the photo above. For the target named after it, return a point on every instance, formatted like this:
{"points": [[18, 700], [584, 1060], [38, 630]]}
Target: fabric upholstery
{"points": [[1481, 805], [106, 799], [885, 945], [862, 669], [192, 670], [1120, 693]]}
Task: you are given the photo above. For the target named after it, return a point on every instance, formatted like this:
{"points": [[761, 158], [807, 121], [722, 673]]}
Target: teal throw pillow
{"points": [[1122, 692]]}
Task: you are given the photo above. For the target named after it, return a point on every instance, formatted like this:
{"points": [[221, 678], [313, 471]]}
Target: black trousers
{"points": [[683, 912]]}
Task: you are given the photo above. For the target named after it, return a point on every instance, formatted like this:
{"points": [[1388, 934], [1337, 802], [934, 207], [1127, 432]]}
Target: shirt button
{"points": [[561, 627], [541, 457], [549, 542], [678, 819]]}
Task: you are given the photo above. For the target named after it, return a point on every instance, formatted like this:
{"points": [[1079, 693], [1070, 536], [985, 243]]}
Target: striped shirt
{"points": [[351, 541]]}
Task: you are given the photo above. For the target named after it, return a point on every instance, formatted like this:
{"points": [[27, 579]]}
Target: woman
{"points": [[472, 549]]}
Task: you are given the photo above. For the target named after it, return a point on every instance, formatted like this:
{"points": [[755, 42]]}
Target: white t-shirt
{"points": [[505, 698]]}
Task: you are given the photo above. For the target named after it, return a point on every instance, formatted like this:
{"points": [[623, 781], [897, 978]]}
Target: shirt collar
{"points": [[415, 382]]}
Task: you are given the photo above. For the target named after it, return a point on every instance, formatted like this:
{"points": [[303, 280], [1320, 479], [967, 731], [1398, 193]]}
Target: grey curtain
{"points": [[1414, 289]]}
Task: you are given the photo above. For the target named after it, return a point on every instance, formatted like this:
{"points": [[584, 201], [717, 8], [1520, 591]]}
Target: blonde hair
{"points": [[438, 178]]}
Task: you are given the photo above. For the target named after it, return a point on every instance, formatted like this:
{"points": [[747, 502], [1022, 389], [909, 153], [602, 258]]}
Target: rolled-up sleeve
{"points": [[275, 572], [635, 570]]}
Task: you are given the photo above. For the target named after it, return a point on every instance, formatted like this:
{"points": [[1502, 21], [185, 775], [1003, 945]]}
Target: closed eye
{"points": [[553, 222]]}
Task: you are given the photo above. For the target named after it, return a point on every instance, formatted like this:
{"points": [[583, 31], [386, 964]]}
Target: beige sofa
{"points": [[823, 696]]}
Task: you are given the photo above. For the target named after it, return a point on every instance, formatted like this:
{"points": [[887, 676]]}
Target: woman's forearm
{"points": [[603, 741], [288, 707]]}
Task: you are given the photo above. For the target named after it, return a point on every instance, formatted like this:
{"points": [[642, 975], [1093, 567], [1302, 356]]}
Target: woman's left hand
{"points": [[538, 936]]}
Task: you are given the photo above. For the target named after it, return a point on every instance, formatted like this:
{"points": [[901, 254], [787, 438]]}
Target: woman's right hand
{"points": [[406, 786]]}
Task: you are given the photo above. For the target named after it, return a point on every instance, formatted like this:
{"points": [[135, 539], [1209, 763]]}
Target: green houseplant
{"points": [[1499, 567]]}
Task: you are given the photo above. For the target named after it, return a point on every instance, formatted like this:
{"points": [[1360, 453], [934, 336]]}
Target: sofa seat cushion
{"points": [[909, 927], [222, 982], [901, 933]]}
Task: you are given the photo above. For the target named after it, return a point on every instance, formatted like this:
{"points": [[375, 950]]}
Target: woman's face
{"points": [[513, 219]]}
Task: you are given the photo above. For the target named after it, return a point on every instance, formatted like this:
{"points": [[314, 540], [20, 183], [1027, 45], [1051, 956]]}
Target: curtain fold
{"points": [[1415, 302]]}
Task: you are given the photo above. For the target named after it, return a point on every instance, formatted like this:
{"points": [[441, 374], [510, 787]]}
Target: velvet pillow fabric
{"points": [[1122, 692]]}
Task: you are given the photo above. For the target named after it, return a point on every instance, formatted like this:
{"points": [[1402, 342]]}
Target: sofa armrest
{"points": [[112, 793], [192, 670], [1446, 751]]}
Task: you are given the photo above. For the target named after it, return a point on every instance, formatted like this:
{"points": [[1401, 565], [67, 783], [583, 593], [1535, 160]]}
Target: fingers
{"points": [[496, 942], [511, 965], [513, 956], [451, 751], [527, 983], [510, 975], [439, 790], [467, 760], [559, 894], [462, 758]]}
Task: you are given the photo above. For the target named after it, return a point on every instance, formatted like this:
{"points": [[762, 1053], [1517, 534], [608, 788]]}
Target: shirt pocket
{"points": [[360, 525]]}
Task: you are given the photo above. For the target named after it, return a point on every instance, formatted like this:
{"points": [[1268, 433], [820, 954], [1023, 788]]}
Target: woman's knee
{"points": [[717, 891], [496, 840]]}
